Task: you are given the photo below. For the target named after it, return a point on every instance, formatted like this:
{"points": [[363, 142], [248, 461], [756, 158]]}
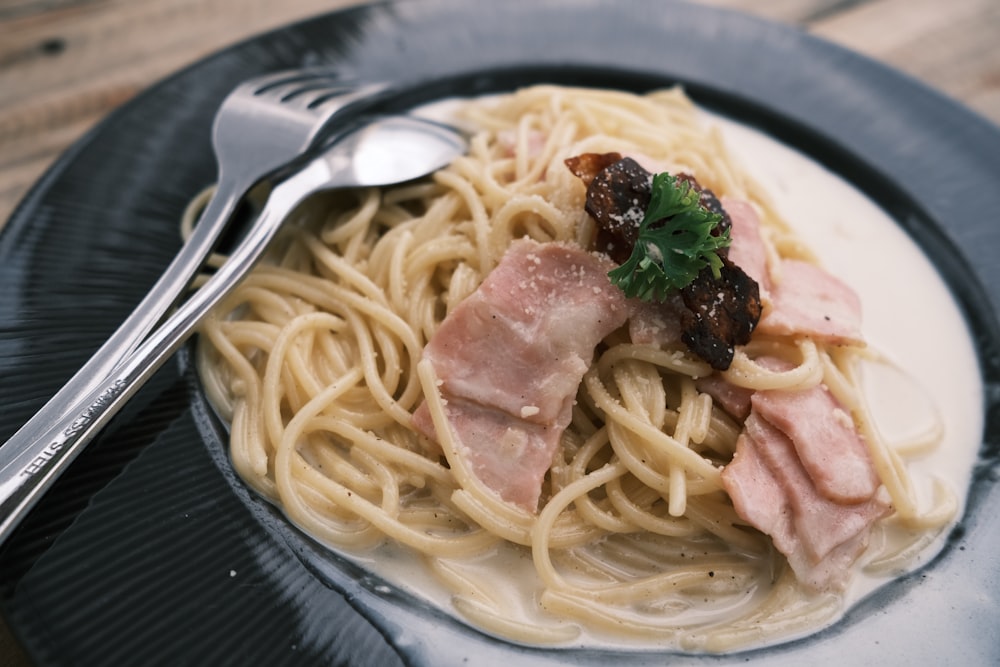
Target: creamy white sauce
{"points": [[909, 315]]}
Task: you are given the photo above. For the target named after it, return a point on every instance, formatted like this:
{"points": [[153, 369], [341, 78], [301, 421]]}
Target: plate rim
{"points": [[20, 218]]}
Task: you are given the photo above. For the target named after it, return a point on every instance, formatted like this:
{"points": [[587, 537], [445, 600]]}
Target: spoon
{"points": [[382, 151]]}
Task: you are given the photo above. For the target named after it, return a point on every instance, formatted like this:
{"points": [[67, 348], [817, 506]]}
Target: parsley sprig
{"points": [[674, 244]]}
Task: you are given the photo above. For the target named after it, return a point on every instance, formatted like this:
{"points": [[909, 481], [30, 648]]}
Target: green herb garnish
{"points": [[675, 243]]}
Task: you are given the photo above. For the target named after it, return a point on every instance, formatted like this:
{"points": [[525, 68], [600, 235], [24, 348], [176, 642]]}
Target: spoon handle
{"points": [[35, 456]]}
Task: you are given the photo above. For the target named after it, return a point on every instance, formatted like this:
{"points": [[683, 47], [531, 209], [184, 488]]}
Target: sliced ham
{"points": [[513, 355], [508, 455], [825, 439], [822, 524], [831, 572], [734, 400], [809, 301], [747, 249], [758, 496], [772, 491], [658, 324], [524, 339], [535, 142]]}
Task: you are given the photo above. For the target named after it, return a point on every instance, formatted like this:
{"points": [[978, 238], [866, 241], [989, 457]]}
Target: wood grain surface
{"points": [[64, 64]]}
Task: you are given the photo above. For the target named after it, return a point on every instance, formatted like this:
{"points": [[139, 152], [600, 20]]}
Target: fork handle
{"points": [[34, 457], [33, 451], [151, 310]]}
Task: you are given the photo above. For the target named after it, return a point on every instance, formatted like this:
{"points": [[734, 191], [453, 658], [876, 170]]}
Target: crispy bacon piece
{"points": [[587, 166], [618, 193], [719, 313], [722, 313]]}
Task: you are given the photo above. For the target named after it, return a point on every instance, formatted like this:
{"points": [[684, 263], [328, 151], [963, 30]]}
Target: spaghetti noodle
{"points": [[315, 362]]}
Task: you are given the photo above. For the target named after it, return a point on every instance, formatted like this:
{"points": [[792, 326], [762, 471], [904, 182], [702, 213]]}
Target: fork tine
{"points": [[321, 99], [324, 105], [301, 94], [330, 101], [268, 82]]}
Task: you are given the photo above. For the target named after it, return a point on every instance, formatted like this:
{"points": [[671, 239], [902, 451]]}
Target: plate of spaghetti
{"points": [[692, 359]]}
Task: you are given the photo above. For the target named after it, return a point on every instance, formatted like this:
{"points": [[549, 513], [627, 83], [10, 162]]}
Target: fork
{"points": [[264, 126], [379, 151]]}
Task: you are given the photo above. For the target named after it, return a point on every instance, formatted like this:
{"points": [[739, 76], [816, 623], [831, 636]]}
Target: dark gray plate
{"points": [[149, 551]]}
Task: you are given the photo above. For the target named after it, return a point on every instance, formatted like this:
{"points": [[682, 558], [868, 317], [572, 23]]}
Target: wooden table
{"points": [[64, 64]]}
